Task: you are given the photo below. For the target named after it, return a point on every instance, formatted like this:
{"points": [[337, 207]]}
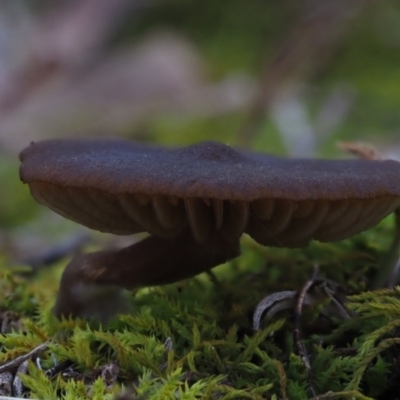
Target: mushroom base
{"points": [[90, 283]]}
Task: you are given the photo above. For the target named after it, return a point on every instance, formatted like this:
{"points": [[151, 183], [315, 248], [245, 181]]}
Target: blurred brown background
{"points": [[288, 77]]}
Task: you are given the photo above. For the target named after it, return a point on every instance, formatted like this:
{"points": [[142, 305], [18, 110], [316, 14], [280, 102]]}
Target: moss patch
{"points": [[194, 339]]}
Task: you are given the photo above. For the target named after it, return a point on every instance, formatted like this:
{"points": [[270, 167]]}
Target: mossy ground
{"points": [[215, 352], [194, 339]]}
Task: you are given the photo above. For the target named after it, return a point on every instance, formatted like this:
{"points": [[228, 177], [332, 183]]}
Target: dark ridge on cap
{"points": [[206, 169]]}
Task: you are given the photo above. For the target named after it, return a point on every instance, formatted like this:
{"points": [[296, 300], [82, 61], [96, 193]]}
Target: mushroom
{"points": [[195, 202]]}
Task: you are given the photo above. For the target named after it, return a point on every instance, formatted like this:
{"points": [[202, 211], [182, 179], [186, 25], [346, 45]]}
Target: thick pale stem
{"points": [[89, 283], [388, 274]]}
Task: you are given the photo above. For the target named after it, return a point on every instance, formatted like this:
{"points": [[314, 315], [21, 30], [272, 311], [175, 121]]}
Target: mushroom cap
{"points": [[123, 187]]}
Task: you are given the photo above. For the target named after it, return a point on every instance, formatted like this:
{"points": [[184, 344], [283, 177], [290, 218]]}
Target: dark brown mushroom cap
{"points": [[206, 169], [123, 187]]}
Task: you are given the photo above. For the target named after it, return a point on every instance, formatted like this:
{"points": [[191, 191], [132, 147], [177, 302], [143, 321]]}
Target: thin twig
{"points": [[362, 150], [284, 298], [18, 386], [19, 360], [300, 348], [343, 311]]}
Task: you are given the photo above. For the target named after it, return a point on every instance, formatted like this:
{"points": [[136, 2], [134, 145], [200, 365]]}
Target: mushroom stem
{"points": [[388, 274], [90, 283]]}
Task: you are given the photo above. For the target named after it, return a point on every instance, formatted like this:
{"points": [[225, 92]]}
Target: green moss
{"points": [[215, 352]]}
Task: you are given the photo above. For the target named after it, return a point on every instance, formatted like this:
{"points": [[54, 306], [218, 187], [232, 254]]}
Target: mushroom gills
{"points": [[359, 216], [335, 229], [107, 202], [373, 210], [199, 216], [304, 209], [151, 216], [218, 210], [307, 218], [337, 209], [82, 201], [170, 214], [266, 230], [262, 208], [61, 201], [43, 193], [236, 215]]}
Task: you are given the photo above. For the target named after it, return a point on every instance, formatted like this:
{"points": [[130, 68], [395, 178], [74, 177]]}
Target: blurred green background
{"points": [[289, 77]]}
